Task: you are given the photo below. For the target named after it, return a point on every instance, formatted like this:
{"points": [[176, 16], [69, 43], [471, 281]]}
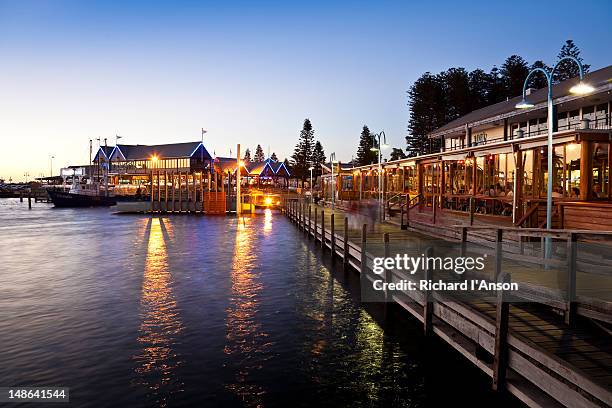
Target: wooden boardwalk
{"points": [[529, 348]]}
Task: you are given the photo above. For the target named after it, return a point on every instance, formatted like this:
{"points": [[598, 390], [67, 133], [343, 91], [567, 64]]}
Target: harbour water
{"points": [[145, 311]]}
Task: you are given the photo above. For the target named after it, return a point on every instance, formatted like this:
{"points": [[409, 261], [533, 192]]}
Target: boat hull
{"points": [[66, 199]]}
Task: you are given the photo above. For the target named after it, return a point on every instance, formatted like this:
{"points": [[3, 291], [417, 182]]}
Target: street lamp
{"points": [[332, 159], [311, 168], [581, 88], [383, 145], [51, 167]]}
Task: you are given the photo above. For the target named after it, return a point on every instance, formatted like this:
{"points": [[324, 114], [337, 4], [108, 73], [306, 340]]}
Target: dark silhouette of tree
{"points": [[302, 154], [479, 82], [259, 154], [287, 164], [538, 80], [318, 158], [456, 86], [274, 157], [514, 71], [365, 155], [496, 91], [397, 154], [427, 112], [569, 69], [247, 156]]}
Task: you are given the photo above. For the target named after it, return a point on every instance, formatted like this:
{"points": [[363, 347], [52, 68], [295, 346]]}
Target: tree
{"points": [[496, 91], [273, 157], [569, 69], [456, 85], [288, 166], [365, 155], [479, 82], [538, 80], [427, 112], [259, 154], [318, 158], [247, 156], [397, 154], [302, 154], [514, 71]]}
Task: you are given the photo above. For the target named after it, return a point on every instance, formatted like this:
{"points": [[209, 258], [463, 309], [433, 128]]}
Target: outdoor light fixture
{"points": [[153, 158], [579, 89], [524, 104]]}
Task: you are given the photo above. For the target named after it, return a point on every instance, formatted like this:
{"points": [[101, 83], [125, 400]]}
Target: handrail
{"points": [[528, 214]]}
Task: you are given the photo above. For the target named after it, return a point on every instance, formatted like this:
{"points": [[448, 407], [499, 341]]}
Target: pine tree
{"points": [[287, 164], [496, 91], [569, 69], [427, 112], [514, 71], [479, 82], [259, 154], [397, 154], [456, 85], [318, 158], [538, 80], [302, 155], [247, 156], [365, 155], [273, 157]]}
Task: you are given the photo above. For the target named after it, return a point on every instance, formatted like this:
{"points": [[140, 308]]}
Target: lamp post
{"points": [[51, 166], [311, 168], [378, 148], [332, 159], [579, 89]]}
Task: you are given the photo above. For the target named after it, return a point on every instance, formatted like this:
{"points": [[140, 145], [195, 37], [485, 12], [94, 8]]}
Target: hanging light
{"points": [[581, 88], [524, 104]]}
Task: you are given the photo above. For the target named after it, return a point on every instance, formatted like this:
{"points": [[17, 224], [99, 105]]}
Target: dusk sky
{"points": [[249, 73]]}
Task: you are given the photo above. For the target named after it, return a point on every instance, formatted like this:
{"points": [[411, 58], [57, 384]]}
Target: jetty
{"points": [[549, 345]]}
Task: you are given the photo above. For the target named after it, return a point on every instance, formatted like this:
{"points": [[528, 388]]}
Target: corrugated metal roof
{"points": [[596, 79]]}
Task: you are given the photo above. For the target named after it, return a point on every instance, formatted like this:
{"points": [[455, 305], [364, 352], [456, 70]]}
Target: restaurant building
{"points": [[492, 165]]}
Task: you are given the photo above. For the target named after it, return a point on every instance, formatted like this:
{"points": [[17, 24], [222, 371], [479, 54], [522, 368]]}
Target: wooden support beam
{"points": [[498, 252], [180, 191], [464, 234], [346, 244], [500, 361], [387, 271], [315, 224], [322, 229], [428, 304], [159, 191], [173, 193], [333, 234], [363, 265], [472, 210], [166, 191], [309, 220], [572, 251]]}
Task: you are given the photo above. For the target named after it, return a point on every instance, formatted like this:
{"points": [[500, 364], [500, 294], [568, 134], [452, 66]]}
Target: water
{"points": [[176, 311]]}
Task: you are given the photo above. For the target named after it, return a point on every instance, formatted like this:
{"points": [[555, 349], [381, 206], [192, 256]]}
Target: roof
{"points": [[597, 79], [226, 164], [172, 150], [106, 151]]}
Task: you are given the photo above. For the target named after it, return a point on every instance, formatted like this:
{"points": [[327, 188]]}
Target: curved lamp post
{"points": [[581, 88], [311, 168], [377, 137], [332, 159]]}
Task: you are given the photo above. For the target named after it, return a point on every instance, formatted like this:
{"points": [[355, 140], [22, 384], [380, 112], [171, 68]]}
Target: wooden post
{"points": [[309, 220], [572, 251], [498, 252], [202, 193], [428, 305], [346, 244], [323, 229], [21, 197], [166, 191], [194, 192], [180, 191], [363, 266], [29, 201], [316, 225], [387, 271], [434, 207], [464, 233], [333, 235], [173, 193], [158, 191], [500, 362], [472, 209], [151, 192], [407, 211]]}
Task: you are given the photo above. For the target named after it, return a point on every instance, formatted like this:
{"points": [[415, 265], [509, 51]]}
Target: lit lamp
{"points": [[581, 88]]}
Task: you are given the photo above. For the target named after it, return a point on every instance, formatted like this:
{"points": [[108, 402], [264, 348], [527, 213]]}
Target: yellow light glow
{"points": [[268, 200], [581, 88], [241, 163], [154, 158]]}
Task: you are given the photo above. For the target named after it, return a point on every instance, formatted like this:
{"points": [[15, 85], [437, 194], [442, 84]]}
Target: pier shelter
{"points": [[491, 165]]}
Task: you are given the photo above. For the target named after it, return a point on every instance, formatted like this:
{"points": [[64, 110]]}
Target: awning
{"points": [[499, 150], [454, 157], [544, 142]]}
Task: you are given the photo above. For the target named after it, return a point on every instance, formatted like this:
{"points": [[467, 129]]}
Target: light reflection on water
{"points": [[161, 325]]}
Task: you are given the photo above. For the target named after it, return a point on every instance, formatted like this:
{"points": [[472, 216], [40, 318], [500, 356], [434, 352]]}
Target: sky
{"points": [[249, 72]]}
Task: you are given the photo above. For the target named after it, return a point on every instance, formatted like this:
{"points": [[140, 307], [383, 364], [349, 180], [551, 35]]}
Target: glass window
{"points": [[527, 173], [572, 166], [601, 166]]}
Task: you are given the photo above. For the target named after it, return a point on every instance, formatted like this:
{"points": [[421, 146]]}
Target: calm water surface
{"points": [[146, 311]]}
